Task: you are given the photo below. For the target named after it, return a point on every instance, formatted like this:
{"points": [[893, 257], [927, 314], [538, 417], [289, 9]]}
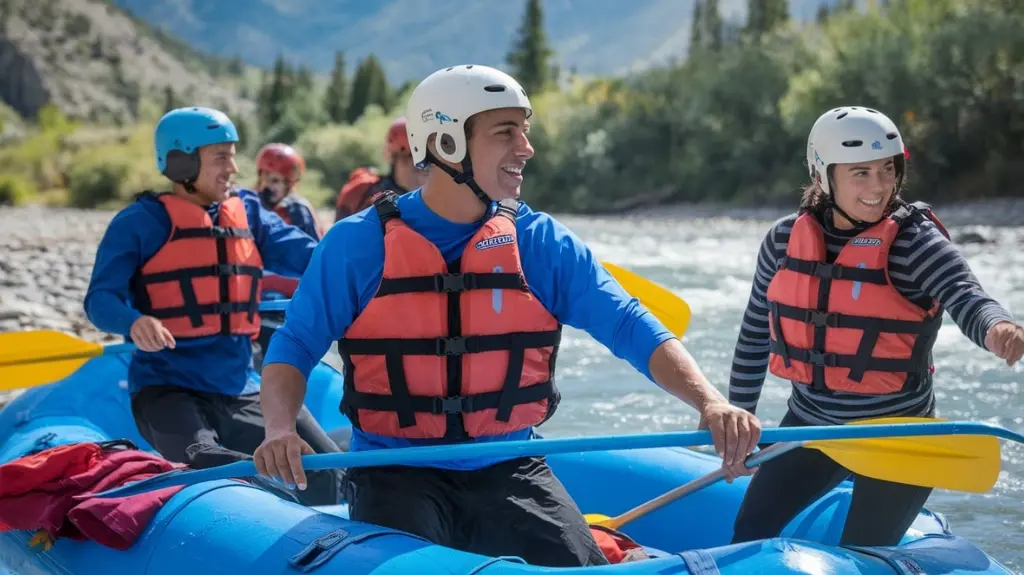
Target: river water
{"points": [[47, 255]]}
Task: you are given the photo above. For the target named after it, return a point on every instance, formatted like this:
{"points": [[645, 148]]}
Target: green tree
{"points": [[823, 14], [713, 28], [171, 100], [278, 92], [697, 29], [531, 57], [763, 16], [369, 86], [334, 98]]}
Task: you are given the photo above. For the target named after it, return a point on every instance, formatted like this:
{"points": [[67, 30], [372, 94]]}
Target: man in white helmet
{"points": [[448, 319], [848, 298]]}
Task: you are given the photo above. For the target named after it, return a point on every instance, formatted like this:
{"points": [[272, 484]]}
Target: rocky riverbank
{"points": [[46, 255]]}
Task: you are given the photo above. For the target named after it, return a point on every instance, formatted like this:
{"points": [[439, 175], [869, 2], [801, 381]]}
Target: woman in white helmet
{"points": [[448, 319], [847, 299]]}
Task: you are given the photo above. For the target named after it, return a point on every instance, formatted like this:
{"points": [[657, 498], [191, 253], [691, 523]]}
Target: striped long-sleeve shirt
{"points": [[923, 266]]}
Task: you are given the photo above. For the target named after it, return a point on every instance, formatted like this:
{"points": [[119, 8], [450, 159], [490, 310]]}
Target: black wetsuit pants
{"points": [[204, 429], [880, 511]]}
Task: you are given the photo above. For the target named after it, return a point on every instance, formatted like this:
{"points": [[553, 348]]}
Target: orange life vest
{"points": [[450, 351], [354, 194], [205, 280], [617, 547], [843, 326]]}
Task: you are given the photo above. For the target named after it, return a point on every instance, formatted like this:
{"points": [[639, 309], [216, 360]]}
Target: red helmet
{"points": [[397, 138], [281, 158]]}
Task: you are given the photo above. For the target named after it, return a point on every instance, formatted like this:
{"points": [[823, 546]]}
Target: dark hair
{"points": [[815, 200]]}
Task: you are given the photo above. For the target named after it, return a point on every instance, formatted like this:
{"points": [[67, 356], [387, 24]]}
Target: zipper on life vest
{"points": [[456, 429]]}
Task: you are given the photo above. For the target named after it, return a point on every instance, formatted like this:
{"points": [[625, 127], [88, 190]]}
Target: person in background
{"points": [[364, 183], [279, 168], [178, 273]]}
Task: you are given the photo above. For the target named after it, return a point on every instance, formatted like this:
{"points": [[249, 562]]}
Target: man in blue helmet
{"points": [[179, 274]]}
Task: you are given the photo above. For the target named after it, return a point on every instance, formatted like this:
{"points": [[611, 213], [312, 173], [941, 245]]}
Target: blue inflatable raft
{"points": [[224, 527]]}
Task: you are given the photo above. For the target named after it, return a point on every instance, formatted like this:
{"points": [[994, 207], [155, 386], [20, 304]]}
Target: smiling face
{"points": [[499, 148], [216, 169], [864, 189]]}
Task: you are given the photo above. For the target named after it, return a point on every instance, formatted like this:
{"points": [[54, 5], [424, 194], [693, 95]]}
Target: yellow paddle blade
{"points": [[968, 463], [670, 309], [31, 358], [596, 518]]}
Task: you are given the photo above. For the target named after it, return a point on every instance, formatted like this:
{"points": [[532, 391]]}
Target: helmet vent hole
{"points": [[447, 144], [212, 126], [841, 116], [872, 111], [449, 69], [853, 143], [891, 136], [470, 67], [494, 88]]}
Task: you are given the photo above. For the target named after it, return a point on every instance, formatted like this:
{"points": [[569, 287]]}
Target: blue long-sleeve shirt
{"points": [[560, 269], [302, 217], [218, 363]]}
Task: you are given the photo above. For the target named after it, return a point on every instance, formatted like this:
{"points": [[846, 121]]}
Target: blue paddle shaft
{"points": [[536, 447]]}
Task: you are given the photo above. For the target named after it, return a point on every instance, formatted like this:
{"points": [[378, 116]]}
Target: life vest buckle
{"points": [[825, 359], [827, 271], [446, 283], [448, 405], [821, 318], [451, 346]]}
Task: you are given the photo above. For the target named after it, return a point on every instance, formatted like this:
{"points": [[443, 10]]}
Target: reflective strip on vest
{"points": [[431, 356], [205, 280], [842, 326]]}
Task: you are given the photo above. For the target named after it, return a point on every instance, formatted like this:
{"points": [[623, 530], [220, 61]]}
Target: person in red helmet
{"points": [[363, 183], [279, 168]]}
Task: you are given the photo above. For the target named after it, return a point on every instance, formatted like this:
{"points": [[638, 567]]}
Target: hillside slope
{"points": [[415, 37], [93, 61]]}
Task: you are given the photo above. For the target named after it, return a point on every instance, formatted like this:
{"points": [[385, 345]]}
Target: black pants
{"points": [[205, 429], [880, 511], [516, 507]]}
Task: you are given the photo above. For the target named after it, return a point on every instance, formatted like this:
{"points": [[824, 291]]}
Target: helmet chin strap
{"points": [[859, 224], [463, 177]]}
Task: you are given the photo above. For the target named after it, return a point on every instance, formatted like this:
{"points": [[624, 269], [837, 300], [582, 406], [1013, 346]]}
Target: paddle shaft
{"points": [[538, 447], [766, 454]]}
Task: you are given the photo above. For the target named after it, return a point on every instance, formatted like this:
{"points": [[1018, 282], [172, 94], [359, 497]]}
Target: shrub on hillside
{"points": [[14, 189]]}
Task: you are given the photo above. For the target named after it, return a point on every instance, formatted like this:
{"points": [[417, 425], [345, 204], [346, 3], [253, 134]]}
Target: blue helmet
{"points": [[185, 130]]}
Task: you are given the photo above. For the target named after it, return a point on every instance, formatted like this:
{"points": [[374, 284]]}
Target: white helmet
{"points": [[444, 100], [850, 134]]}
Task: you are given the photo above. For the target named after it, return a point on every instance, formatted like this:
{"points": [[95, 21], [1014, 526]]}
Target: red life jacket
{"points": [[354, 195], [616, 546], [205, 280], [52, 491], [438, 353], [843, 326]]}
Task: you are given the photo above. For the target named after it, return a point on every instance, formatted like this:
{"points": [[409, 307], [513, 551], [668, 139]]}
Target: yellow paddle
{"points": [[31, 358], [956, 462], [670, 309]]}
